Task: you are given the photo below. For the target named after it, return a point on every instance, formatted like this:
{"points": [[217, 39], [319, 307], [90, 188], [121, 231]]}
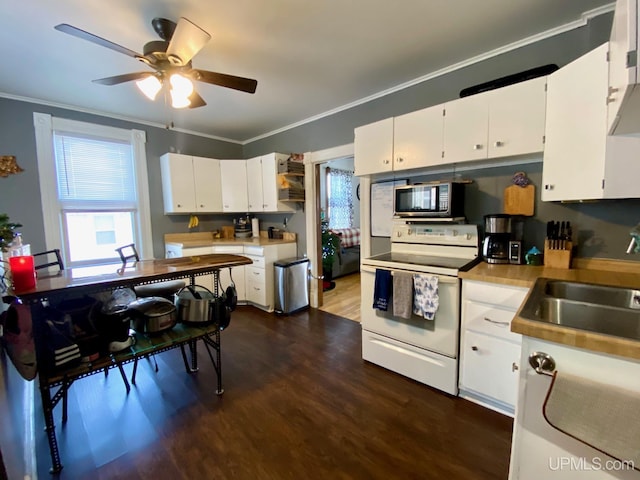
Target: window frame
{"points": [[52, 211]]}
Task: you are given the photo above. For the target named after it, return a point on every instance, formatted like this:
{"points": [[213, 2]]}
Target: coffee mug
{"points": [[534, 257]]}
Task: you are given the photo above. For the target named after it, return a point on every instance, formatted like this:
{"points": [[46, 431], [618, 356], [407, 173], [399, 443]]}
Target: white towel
{"points": [[402, 294], [425, 298]]}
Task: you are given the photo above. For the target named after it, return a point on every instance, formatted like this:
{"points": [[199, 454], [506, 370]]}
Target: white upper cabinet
{"points": [[517, 118], [190, 184], [373, 147], [254, 184], [233, 177], [466, 128], [574, 154], [206, 179], [582, 162], [413, 140], [262, 184], [504, 122], [623, 98], [417, 138]]}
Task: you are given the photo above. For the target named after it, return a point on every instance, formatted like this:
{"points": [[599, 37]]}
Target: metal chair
{"points": [[57, 262]]}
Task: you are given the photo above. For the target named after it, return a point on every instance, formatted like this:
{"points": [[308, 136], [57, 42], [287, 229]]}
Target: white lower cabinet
{"points": [[490, 352], [538, 450], [235, 274]]}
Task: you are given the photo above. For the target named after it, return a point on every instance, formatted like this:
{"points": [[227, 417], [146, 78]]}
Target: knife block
{"points": [[557, 257]]}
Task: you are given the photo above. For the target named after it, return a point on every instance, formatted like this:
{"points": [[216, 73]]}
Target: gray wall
{"points": [[602, 227]]}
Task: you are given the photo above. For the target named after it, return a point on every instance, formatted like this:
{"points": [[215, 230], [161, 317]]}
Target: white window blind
{"points": [[93, 170]]}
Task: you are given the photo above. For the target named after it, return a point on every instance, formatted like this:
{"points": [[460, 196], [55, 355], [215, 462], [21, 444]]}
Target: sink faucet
{"points": [[634, 244]]}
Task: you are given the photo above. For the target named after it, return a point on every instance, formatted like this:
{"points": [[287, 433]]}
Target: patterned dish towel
{"points": [[425, 298]]}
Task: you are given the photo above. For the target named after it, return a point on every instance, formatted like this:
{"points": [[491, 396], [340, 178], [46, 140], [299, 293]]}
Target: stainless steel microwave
{"points": [[437, 199]]}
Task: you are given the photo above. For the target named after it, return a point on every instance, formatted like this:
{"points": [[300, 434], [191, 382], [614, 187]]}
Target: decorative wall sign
{"points": [[9, 166]]}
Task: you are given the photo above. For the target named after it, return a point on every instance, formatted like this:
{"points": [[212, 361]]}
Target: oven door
{"points": [[439, 335]]}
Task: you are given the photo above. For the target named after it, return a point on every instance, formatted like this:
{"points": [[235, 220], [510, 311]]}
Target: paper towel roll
{"points": [[255, 227]]}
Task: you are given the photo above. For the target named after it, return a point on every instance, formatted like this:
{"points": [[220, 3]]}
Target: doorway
{"points": [[316, 164]]}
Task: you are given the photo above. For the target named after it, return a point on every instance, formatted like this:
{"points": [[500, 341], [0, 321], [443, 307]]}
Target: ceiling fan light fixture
{"points": [[187, 40], [150, 86]]}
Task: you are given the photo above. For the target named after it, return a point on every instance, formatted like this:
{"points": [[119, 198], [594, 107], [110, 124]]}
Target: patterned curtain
{"points": [[339, 198]]}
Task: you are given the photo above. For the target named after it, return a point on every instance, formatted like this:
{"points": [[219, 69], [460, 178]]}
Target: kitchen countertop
{"points": [[616, 273], [206, 239]]}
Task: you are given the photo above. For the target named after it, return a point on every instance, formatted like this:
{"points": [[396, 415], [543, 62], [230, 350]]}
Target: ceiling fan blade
{"points": [[230, 81], [196, 100], [127, 77], [187, 40], [76, 32]]}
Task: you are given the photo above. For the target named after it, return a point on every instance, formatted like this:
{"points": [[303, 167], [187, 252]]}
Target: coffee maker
{"points": [[497, 238]]}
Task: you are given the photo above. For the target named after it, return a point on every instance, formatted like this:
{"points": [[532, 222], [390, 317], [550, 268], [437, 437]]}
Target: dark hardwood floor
{"points": [[299, 403]]}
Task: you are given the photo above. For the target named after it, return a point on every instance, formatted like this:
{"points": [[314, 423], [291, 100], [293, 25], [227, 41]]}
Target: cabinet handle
{"points": [[548, 186], [179, 206], [498, 144], [201, 206], [477, 146], [514, 367], [386, 162], [474, 348], [400, 160], [505, 324]]}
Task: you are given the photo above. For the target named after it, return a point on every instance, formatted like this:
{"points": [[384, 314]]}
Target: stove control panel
{"points": [[434, 233]]}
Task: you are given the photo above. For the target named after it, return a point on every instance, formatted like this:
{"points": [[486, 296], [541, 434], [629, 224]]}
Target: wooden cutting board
{"points": [[519, 200]]}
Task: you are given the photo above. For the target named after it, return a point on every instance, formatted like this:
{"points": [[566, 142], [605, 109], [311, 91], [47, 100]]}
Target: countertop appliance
{"points": [[435, 199], [424, 350], [497, 236]]}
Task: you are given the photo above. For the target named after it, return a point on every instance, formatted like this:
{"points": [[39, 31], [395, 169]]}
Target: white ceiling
{"points": [[308, 57]]}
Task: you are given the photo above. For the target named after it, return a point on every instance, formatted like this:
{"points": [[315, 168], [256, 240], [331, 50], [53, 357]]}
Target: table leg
{"points": [[47, 407]]}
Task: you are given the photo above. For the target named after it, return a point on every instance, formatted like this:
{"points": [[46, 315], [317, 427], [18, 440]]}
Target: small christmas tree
{"points": [[330, 245]]}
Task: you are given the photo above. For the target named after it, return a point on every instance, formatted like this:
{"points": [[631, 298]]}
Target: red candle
{"points": [[23, 273]]}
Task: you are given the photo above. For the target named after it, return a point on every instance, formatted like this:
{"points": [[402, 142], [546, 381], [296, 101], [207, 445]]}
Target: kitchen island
{"points": [[74, 283]]}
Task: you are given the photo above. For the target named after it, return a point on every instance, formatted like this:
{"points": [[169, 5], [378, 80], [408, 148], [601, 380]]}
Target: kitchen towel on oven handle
{"points": [[425, 298], [604, 417], [402, 294], [382, 289]]}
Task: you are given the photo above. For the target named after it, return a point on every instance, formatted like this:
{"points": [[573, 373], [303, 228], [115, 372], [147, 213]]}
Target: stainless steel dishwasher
{"points": [[291, 284]]}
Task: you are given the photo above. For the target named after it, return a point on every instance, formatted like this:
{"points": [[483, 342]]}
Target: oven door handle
{"points": [[441, 278]]}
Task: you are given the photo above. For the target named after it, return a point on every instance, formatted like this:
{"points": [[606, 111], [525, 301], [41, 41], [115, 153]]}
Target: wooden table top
{"points": [[92, 279]]}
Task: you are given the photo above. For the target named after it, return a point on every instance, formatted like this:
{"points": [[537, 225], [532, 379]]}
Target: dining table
{"points": [[57, 285]]}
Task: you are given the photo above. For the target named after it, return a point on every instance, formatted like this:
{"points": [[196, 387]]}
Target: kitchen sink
{"points": [[584, 306]]}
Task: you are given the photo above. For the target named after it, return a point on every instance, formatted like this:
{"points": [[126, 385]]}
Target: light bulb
{"points": [[150, 86], [181, 89]]}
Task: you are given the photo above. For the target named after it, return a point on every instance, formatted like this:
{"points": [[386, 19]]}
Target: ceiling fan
{"points": [[171, 60]]}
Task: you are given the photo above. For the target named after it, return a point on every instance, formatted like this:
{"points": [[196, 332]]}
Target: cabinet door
{"points": [[177, 183], [516, 118], [623, 73], [237, 275], [575, 149], [490, 367], [254, 184], [417, 138], [270, 185], [206, 178], [256, 285], [466, 125], [373, 148], [233, 176]]}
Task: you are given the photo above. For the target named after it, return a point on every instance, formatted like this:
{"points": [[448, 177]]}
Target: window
{"points": [[94, 189], [340, 198]]}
